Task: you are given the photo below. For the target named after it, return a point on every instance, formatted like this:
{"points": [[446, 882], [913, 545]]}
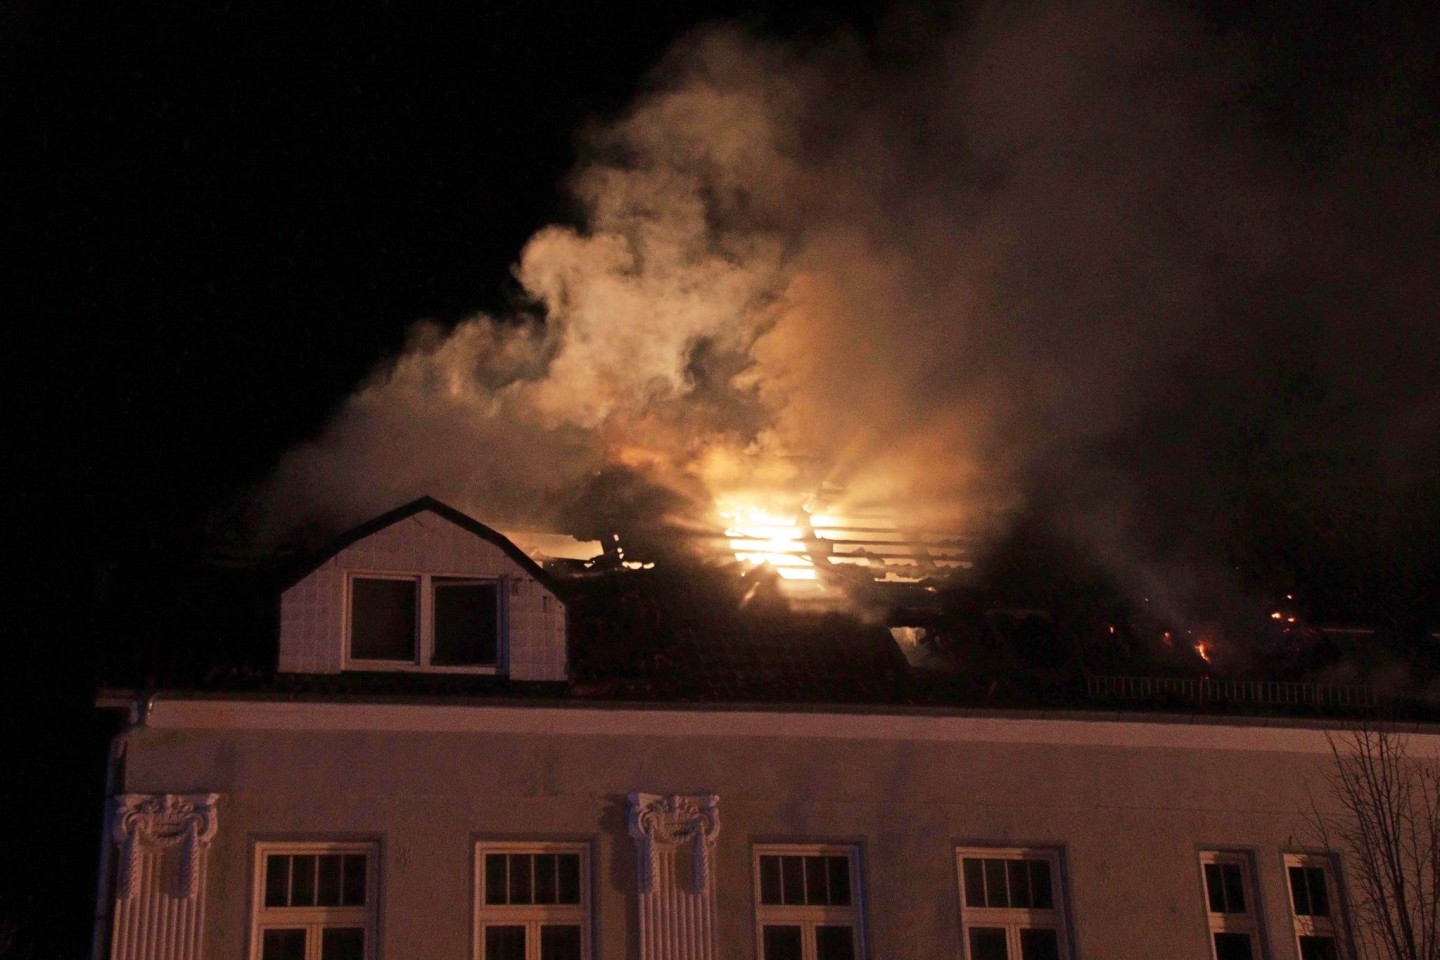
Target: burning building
{"points": [[461, 754]]}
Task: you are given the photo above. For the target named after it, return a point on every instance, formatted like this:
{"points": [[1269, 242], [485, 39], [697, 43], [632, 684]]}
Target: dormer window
{"points": [[384, 618], [424, 589], [398, 621], [467, 622]]}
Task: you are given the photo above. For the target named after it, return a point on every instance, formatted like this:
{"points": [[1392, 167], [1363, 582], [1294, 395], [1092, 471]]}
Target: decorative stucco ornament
{"points": [[658, 820], [163, 820]]}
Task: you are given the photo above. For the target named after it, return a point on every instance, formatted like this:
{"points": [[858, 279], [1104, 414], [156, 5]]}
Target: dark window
{"points": [[1019, 884], [497, 871], [559, 942], [302, 881], [996, 889], [834, 943], [974, 882], [770, 880], [1233, 946], [530, 878], [1039, 944], [782, 943], [987, 943], [382, 619], [505, 942], [839, 868], [282, 945], [467, 620], [342, 943], [315, 880], [1318, 948], [792, 879], [805, 880], [1225, 887], [1307, 888]]}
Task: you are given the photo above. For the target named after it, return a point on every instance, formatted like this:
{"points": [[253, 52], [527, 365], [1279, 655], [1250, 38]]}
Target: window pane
{"points": [[277, 880], [770, 879], [302, 881], [568, 882], [1215, 888], [834, 943], [352, 892], [974, 882], [1233, 946], [996, 894], [1039, 944], [505, 943], [344, 943], [327, 891], [520, 878], [545, 878], [282, 945], [496, 870], [466, 620], [560, 942], [1019, 884], [839, 868], [1318, 948], [987, 944], [1299, 895], [1042, 893], [1234, 888], [792, 879], [781, 943], [1319, 899], [382, 619], [815, 878]]}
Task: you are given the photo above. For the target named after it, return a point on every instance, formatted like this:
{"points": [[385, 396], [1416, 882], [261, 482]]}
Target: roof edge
{"points": [[425, 504]]}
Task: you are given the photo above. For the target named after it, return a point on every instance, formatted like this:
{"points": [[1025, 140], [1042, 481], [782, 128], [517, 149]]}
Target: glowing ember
{"points": [[1203, 649], [760, 536]]}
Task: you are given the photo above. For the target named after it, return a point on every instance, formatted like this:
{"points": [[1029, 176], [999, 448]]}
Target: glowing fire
{"points": [[1203, 649], [760, 536]]}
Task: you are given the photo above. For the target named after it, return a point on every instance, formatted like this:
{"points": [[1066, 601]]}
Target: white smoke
{"points": [[1041, 259]]}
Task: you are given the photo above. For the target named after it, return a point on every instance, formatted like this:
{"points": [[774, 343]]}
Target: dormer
{"points": [[424, 588]]}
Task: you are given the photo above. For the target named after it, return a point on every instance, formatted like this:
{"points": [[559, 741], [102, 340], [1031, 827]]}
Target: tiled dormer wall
{"points": [[312, 612]]}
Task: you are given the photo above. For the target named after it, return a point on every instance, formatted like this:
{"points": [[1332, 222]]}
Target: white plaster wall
{"points": [[1129, 819], [312, 612]]}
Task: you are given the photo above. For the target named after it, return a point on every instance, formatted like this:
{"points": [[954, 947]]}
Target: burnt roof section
{"points": [[426, 504]]}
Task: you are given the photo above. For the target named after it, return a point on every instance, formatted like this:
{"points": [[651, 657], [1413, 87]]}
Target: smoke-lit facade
{"points": [[326, 821]]}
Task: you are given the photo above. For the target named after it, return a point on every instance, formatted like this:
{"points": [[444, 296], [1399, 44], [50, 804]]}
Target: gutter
{"points": [[138, 709]]}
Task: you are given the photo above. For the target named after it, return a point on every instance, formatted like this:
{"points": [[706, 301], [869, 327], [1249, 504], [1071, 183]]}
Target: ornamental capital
{"points": [[663, 820], [163, 820]]}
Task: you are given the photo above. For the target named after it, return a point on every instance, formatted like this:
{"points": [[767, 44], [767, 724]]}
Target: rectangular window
{"points": [[399, 621], [467, 622], [314, 901], [1230, 905], [384, 618], [807, 903], [532, 901], [1314, 905], [1011, 904]]}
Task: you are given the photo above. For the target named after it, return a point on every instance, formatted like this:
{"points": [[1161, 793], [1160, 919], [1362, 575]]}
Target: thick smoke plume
{"points": [[1044, 262]]}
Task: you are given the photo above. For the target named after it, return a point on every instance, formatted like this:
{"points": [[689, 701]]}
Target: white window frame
{"points": [[808, 917], [314, 919], [425, 622], [1248, 922], [1311, 925], [1014, 919], [532, 916]]}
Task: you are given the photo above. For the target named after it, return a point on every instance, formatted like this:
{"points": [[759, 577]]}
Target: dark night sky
{"points": [[218, 216]]}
